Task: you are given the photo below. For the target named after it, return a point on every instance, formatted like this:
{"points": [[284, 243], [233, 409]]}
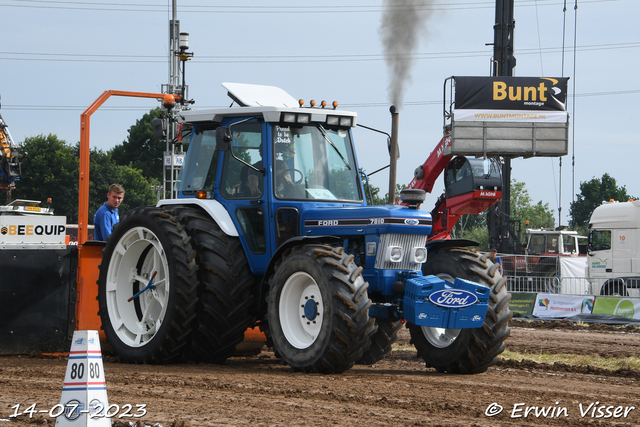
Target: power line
{"points": [[620, 92], [253, 9], [205, 59], [23, 107]]}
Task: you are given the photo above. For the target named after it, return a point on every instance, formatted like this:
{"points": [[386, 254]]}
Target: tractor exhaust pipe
{"points": [[393, 153]]}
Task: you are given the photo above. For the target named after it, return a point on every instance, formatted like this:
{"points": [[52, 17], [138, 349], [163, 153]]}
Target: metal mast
{"points": [[501, 228], [174, 63], [171, 158]]}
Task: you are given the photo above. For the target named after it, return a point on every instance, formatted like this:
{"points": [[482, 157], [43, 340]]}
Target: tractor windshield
{"points": [[313, 162], [540, 244]]}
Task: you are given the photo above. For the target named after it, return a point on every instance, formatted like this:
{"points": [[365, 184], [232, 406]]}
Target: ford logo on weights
{"points": [[453, 298]]}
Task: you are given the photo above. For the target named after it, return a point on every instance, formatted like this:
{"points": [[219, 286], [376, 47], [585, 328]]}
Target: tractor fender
{"points": [[213, 208], [439, 244]]}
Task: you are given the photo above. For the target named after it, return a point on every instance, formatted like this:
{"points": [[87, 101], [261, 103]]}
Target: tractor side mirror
{"points": [[159, 129], [389, 148], [223, 139]]}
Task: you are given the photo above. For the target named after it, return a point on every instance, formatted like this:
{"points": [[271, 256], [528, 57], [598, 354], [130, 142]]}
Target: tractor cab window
{"points": [[240, 181], [314, 162], [537, 244], [485, 169], [569, 244], [458, 177], [540, 244], [464, 175], [463, 172], [200, 169], [599, 240]]}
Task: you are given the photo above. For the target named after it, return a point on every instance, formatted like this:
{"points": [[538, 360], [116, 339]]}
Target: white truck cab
{"points": [[613, 247], [557, 241]]}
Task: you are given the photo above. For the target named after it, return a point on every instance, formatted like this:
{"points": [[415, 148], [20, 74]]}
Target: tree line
{"points": [[50, 169]]}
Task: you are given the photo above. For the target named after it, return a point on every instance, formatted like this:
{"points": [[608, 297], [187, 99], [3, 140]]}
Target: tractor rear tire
{"points": [[466, 351], [154, 326], [224, 289], [381, 342], [318, 309]]}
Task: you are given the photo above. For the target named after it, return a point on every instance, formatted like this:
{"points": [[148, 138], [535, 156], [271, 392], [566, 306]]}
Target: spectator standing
{"points": [[496, 259], [107, 216]]}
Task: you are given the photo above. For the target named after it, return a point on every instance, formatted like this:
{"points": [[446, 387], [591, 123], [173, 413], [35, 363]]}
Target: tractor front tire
{"points": [[318, 309], [147, 287], [465, 351]]}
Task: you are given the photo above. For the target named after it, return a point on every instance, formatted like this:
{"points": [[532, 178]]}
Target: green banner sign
{"points": [[623, 307], [522, 303]]}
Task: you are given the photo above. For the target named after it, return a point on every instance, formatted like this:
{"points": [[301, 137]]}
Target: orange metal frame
{"points": [[89, 256], [85, 119]]}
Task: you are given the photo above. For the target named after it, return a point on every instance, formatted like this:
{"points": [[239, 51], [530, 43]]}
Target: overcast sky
{"points": [[59, 56]]}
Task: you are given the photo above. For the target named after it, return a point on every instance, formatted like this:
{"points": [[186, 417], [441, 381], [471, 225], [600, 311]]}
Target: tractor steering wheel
{"points": [[294, 181]]}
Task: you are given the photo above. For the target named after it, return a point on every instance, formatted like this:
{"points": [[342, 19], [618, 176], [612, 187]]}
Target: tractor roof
{"points": [[266, 101]]}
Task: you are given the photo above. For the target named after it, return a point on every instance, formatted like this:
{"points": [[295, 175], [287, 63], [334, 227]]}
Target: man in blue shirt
{"points": [[496, 259], [107, 216]]}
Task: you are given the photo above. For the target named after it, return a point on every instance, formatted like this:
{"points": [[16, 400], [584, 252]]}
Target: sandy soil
{"points": [[399, 391]]}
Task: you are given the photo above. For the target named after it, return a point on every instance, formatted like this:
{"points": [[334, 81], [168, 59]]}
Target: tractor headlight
{"points": [[295, 118], [304, 118], [288, 117], [419, 255], [394, 254], [346, 121], [333, 120], [342, 121]]}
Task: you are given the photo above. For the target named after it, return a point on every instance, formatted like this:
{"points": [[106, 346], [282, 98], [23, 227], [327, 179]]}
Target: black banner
{"points": [[38, 297], [511, 93]]}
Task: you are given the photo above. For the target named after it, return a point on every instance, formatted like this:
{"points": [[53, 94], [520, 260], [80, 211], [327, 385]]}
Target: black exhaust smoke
{"points": [[403, 22]]}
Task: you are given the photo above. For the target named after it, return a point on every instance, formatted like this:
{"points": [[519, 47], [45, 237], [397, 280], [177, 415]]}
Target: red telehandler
{"points": [[471, 186]]}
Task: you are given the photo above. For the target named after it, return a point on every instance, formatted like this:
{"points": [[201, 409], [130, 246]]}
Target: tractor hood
{"points": [[364, 220]]}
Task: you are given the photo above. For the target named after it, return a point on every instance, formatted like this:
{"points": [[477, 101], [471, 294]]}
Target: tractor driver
{"points": [[107, 216], [253, 180], [284, 185]]}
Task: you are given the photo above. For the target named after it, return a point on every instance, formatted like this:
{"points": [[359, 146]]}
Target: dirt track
{"points": [[397, 391]]}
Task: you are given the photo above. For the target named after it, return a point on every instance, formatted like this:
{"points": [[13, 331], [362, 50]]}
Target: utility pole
{"points": [[174, 62], [500, 231], [171, 158]]}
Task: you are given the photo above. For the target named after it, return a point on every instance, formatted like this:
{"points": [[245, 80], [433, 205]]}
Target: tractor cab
{"points": [[554, 242], [266, 165], [466, 175]]}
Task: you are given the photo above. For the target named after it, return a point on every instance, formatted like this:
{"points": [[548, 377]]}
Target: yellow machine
{"points": [[10, 162]]}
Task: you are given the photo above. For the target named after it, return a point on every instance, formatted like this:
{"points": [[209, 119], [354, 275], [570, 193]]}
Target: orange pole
{"points": [[89, 258], [85, 119]]}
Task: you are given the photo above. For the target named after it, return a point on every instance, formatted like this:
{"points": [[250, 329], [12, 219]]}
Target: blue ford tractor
{"points": [[271, 228]]}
